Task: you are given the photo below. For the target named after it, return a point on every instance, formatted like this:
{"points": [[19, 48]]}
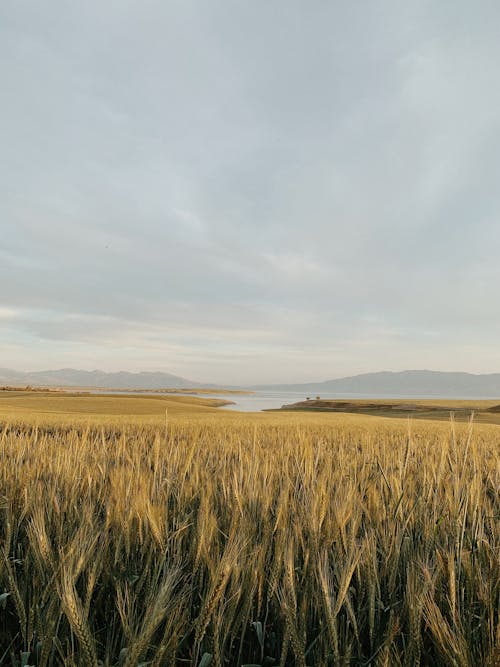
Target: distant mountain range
{"points": [[404, 384], [69, 377]]}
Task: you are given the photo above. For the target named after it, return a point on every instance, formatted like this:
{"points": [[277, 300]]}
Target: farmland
{"points": [[163, 531], [482, 411]]}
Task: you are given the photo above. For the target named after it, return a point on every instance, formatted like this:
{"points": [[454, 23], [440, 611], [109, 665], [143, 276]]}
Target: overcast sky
{"points": [[247, 191]]}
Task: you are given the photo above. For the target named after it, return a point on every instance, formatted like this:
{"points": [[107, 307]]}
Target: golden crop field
{"points": [[224, 539]]}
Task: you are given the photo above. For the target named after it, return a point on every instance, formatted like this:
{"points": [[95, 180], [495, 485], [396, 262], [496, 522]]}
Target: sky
{"points": [[243, 192]]}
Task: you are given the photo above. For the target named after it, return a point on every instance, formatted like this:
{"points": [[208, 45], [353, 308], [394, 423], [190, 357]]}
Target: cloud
{"points": [[215, 190]]}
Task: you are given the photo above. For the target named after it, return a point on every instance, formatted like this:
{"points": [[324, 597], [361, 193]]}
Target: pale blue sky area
{"points": [[243, 192]]}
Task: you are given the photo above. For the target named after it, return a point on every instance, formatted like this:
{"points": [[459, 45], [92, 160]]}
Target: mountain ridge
{"points": [[383, 384], [71, 377], [409, 384]]}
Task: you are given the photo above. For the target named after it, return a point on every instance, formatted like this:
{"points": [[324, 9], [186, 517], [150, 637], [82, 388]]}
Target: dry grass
{"points": [[231, 540], [483, 411], [101, 408]]}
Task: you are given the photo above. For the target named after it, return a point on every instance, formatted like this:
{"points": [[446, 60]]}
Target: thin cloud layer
{"points": [[249, 192]]}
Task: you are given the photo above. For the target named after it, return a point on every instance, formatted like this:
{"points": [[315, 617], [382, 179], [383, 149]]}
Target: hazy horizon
{"points": [[275, 382], [246, 194]]}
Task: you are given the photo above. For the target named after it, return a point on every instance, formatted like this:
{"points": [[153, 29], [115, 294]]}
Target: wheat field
{"points": [[233, 540]]}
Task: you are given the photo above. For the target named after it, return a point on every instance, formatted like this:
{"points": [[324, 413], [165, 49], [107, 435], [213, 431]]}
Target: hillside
{"points": [[407, 384], [69, 377]]}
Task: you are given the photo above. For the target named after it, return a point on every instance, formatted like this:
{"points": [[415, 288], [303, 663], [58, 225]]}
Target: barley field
{"points": [[231, 540]]}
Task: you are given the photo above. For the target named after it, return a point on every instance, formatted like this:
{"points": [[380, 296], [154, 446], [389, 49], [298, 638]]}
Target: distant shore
{"points": [[79, 389], [481, 410]]}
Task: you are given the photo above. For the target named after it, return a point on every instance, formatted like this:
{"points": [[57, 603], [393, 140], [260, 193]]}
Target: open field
{"points": [[62, 405], [483, 411], [68, 406], [219, 538]]}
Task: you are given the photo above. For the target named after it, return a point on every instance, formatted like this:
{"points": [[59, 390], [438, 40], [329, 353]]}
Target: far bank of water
{"points": [[255, 402], [263, 400]]}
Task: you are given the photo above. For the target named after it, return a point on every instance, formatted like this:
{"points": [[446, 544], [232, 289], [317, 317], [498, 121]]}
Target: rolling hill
{"points": [[70, 377], [404, 384]]}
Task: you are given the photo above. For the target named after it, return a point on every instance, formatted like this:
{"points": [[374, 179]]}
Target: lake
{"points": [[259, 400]]}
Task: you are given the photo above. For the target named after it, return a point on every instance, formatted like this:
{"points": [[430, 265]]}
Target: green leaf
{"points": [[257, 625], [206, 660]]}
